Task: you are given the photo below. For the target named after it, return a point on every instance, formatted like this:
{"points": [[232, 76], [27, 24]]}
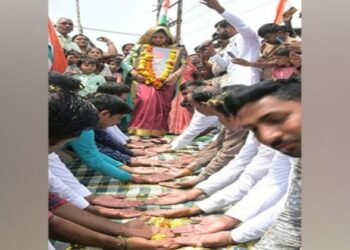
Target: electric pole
{"points": [[179, 21], [159, 6], [77, 4]]}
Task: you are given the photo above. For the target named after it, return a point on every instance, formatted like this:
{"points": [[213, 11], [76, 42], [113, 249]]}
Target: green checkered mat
{"points": [[100, 184]]}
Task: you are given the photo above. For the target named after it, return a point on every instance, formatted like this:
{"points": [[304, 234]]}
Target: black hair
{"points": [[161, 31], [115, 59], [283, 89], [215, 36], [298, 31], [282, 52], [268, 28], [203, 94], [185, 104], [110, 79], [109, 102], [222, 24], [72, 52], [236, 88], [127, 44], [220, 107], [75, 36], [198, 48], [87, 60], [88, 39], [69, 115], [113, 88], [89, 49], [286, 28], [193, 83], [217, 102], [64, 82]]}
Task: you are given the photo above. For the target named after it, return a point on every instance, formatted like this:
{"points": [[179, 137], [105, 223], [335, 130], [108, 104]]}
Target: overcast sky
{"points": [[134, 17]]}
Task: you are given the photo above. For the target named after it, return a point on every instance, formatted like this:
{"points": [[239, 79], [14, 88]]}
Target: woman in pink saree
{"points": [[180, 117], [155, 65]]}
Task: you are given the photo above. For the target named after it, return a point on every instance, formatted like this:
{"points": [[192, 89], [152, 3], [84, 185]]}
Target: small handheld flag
{"points": [[279, 11], [163, 19]]}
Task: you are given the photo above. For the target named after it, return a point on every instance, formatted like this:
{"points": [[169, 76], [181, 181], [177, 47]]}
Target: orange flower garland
{"points": [[145, 67]]}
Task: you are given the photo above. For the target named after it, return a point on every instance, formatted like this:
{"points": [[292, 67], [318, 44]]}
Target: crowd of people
{"points": [[112, 111]]}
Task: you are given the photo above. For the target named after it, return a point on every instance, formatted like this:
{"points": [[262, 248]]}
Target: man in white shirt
{"points": [[198, 124], [63, 184], [256, 182], [199, 121], [249, 153], [258, 189], [272, 110], [244, 43]]}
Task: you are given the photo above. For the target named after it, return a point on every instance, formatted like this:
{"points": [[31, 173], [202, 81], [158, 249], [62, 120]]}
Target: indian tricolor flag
{"points": [[163, 17], [57, 60]]}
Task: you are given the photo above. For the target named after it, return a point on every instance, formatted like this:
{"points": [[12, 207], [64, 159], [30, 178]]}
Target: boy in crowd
{"points": [[88, 77]]}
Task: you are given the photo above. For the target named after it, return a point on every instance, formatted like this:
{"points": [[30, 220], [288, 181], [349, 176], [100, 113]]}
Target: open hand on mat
{"points": [[206, 225], [112, 201], [174, 213], [152, 179], [116, 213], [181, 184], [148, 170], [138, 228], [220, 239], [173, 197], [139, 152], [160, 148], [135, 243]]}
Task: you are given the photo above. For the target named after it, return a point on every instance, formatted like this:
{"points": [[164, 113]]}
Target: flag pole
{"points": [[77, 5]]}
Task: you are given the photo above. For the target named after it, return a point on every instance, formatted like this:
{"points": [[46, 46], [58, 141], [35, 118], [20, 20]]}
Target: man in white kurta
{"points": [[198, 124], [244, 43], [252, 153], [256, 188], [63, 184]]}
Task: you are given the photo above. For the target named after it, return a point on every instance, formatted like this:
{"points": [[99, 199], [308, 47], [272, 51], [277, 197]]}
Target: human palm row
{"points": [[203, 231]]}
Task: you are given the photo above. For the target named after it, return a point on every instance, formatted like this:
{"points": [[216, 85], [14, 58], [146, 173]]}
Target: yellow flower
{"points": [[145, 67], [158, 236]]}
